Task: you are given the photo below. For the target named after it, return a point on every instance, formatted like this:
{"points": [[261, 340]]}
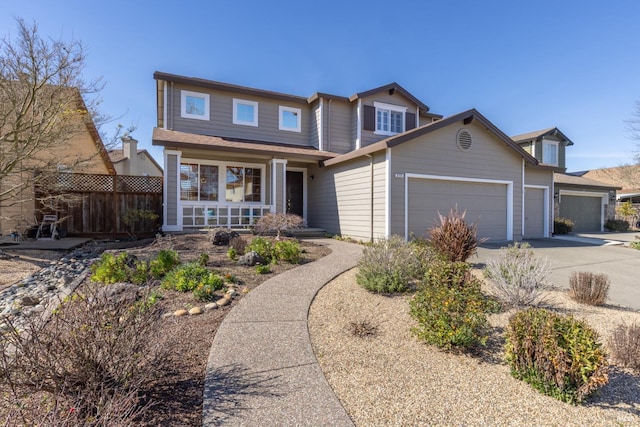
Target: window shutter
{"points": [[410, 119], [369, 118]]}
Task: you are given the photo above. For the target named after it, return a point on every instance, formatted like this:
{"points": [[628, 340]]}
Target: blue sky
{"points": [[524, 65]]}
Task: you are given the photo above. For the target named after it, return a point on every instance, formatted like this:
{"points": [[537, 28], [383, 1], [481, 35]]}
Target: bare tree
{"points": [[42, 109]]}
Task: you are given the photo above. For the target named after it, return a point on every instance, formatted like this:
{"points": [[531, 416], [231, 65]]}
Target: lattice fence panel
{"points": [[77, 182], [139, 184]]}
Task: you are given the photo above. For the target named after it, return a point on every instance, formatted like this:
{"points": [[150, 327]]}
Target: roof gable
{"points": [[540, 134], [466, 117], [390, 88]]}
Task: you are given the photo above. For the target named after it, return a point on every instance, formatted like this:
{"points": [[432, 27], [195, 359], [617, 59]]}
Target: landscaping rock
{"points": [[223, 301], [222, 237], [250, 259], [194, 311], [211, 306], [181, 312], [120, 292], [28, 301]]}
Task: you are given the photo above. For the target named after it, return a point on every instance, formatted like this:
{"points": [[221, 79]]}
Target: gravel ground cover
{"points": [[387, 377]]}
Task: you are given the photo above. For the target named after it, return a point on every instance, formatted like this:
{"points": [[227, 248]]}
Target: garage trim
{"points": [[546, 208], [508, 184], [603, 196]]}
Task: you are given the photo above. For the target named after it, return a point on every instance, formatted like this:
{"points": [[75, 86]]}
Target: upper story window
{"points": [[245, 112], [290, 119], [550, 153], [194, 105], [390, 119]]}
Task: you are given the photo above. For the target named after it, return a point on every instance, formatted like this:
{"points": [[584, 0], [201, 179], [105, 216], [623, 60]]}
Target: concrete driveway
{"points": [[606, 253]]}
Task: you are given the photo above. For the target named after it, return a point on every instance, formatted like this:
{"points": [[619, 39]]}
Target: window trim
{"points": [[222, 180], [556, 145], [199, 164], [236, 120], [183, 105], [297, 111], [389, 107]]}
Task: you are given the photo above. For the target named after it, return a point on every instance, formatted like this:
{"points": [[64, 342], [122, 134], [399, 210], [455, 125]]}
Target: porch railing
{"points": [[195, 215]]}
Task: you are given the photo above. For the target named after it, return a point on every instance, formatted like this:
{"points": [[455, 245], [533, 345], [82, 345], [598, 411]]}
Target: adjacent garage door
{"points": [[534, 213], [584, 211], [485, 202]]}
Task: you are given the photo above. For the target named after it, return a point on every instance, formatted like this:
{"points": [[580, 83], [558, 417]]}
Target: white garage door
{"points": [[534, 213], [485, 202]]}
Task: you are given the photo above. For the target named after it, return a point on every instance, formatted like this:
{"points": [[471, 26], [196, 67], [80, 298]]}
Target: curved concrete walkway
{"points": [[262, 370]]}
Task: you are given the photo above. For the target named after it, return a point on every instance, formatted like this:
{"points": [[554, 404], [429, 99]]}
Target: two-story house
{"points": [[369, 165], [587, 202]]}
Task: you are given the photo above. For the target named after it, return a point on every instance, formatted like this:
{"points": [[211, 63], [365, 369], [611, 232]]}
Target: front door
{"points": [[295, 190]]}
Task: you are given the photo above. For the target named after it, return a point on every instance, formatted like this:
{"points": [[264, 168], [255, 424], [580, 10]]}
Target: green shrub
{"points": [[262, 247], [230, 278], [263, 269], [165, 261], [287, 251], [203, 259], [557, 355], [453, 237], [205, 291], [119, 268], [624, 345], [187, 277], [388, 265], [517, 276], [616, 225], [589, 288], [562, 225], [635, 244], [232, 254], [450, 308]]}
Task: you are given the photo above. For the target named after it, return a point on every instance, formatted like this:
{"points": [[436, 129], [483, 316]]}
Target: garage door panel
{"points": [[584, 211], [534, 213], [485, 203]]}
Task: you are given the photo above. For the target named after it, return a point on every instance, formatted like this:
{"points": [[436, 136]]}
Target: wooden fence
{"points": [[92, 205]]}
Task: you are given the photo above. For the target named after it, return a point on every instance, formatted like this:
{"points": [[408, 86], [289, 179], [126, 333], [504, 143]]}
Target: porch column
{"points": [[278, 185]]}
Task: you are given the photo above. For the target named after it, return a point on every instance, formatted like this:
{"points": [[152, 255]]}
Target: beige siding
{"points": [[340, 199], [540, 176], [220, 122], [534, 213], [437, 153], [315, 125], [173, 193], [338, 124], [369, 137], [379, 195]]}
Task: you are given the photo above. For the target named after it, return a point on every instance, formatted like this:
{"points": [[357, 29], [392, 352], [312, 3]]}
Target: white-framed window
{"points": [[244, 184], [217, 181], [290, 118], [550, 153], [194, 105], [199, 182], [245, 112], [390, 119]]}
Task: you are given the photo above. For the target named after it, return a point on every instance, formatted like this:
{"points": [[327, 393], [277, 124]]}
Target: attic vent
{"points": [[463, 138]]}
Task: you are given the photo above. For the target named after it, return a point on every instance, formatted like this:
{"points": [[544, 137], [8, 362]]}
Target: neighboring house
{"points": [[587, 202], [367, 166], [626, 177], [128, 160], [82, 153]]}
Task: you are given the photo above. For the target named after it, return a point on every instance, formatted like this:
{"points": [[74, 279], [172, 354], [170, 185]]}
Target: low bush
{"points": [[203, 259], [278, 223], [450, 308], [287, 251], [635, 244], [187, 277], [616, 225], [563, 225], [388, 265], [262, 247], [557, 355], [453, 237], [517, 276], [165, 261], [263, 269], [624, 345], [589, 288], [206, 290], [238, 244], [232, 254], [85, 366], [123, 267]]}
